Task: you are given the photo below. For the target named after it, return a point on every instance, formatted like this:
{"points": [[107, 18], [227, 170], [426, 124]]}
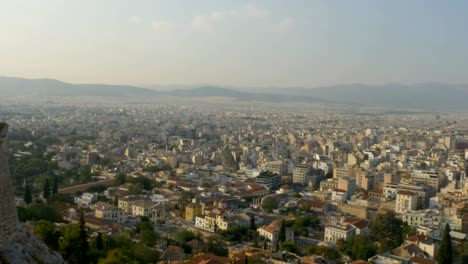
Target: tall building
{"points": [[340, 172], [300, 173], [429, 178], [348, 184], [406, 201], [365, 181], [277, 166], [269, 179]]}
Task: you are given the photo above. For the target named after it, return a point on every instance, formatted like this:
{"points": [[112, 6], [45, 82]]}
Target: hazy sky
{"points": [[246, 43]]}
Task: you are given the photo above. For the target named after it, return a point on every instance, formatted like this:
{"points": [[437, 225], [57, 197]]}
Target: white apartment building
{"points": [[300, 173], [406, 201]]}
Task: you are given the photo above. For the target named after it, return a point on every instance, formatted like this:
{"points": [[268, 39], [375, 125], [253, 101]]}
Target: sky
{"points": [[280, 43]]}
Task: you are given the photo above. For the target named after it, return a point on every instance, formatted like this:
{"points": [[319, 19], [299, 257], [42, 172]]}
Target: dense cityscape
{"points": [[233, 132], [189, 183]]}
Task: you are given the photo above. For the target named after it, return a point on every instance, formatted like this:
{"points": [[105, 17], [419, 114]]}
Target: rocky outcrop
{"points": [[8, 215], [18, 244], [25, 248]]}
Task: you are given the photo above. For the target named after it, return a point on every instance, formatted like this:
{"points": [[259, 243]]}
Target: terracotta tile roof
{"points": [[406, 193], [208, 259], [421, 260]]}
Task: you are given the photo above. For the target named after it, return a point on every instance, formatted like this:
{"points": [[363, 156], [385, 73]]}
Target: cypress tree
{"points": [[83, 245], [444, 255], [46, 190], [27, 195], [55, 186], [116, 201], [99, 243], [281, 235], [282, 232], [252, 223]]}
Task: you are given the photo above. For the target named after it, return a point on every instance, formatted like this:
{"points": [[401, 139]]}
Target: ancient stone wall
{"points": [[355, 210], [8, 214]]}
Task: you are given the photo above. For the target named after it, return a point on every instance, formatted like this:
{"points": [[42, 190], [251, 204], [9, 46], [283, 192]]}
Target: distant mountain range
{"points": [[48, 87], [428, 97], [422, 97]]}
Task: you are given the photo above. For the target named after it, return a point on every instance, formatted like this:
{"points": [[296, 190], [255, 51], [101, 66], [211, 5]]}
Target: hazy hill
{"points": [[429, 97], [47, 87], [209, 91], [421, 97]]}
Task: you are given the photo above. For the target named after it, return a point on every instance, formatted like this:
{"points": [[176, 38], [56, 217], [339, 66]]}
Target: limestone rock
{"points": [[26, 248]]}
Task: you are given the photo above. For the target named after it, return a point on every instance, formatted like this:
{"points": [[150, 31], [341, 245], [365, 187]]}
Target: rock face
{"points": [[8, 215], [26, 248], [18, 244]]}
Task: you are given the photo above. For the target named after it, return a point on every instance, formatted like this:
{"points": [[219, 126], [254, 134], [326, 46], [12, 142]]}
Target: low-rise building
{"points": [[142, 208], [108, 212], [126, 203], [86, 199], [333, 233]]}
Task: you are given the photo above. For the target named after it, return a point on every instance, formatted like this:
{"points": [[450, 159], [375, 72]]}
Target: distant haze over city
{"points": [[437, 97], [236, 43]]}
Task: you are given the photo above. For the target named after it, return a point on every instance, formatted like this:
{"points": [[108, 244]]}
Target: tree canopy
{"points": [[444, 255], [357, 247], [270, 203], [386, 229]]}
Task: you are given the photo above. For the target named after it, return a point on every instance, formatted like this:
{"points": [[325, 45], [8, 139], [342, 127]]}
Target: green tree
{"points": [[116, 201], [147, 234], [357, 247], [269, 203], [148, 237], [116, 256], [144, 254], [282, 232], [68, 244], [135, 189], [27, 195], [120, 178], [83, 245], [55, 186], [46, 190], [444, 255], [253, 226], [47, 232], [217, 246], [84, 174], [290, 247], [99, 243], [386, 229], [333, 255], [184, 236], [39, 211]]}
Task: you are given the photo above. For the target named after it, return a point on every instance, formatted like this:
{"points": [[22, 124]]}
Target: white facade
{"points": [[86, 199], [300, 174], [406, 201], [333, 233], [108, 212]]}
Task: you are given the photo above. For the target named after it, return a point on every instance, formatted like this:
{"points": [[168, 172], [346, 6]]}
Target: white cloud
{"points": [[254, 11], [286, 24], [206, 23], [137, 20], [161, 26]]}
